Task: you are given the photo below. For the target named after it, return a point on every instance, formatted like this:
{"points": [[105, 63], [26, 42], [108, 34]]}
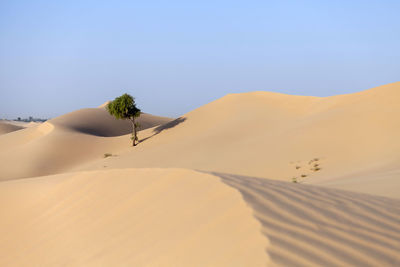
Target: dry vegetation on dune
{"points": [[108, 203]]}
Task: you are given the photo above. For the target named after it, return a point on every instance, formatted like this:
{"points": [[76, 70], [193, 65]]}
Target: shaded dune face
{"points": [[6, 127], [98, 122]]}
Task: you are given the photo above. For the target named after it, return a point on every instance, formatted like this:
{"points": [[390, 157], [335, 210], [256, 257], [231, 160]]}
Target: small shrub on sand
{"points": [[313, 160], [303, 175], [106, 155], [294, 180]]}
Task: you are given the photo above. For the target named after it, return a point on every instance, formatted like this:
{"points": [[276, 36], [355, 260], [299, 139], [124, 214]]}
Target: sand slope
{"points": [[6, 127], [315, 226], [64, 142], [147, 217], [175, 217], [274, 135]]}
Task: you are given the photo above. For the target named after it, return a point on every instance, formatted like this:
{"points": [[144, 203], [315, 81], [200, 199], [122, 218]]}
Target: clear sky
{"points": [[174, 56]]}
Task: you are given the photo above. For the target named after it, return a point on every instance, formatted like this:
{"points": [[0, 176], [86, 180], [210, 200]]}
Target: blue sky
{"points": [[174, 56]]}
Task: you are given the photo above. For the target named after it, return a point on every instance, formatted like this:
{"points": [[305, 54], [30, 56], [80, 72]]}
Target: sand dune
{"points": [[314, 226], [274, 135], [147, 217], [174, 217], [258, 134], [211, 188], [64, 142], [6, 127]]}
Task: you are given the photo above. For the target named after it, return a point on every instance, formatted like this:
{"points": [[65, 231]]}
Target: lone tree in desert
{"points": [[124, 107]]}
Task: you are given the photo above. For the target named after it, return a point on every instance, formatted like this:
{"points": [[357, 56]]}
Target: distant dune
{"points": [[6, 127], [65, 142], [251, 179]]}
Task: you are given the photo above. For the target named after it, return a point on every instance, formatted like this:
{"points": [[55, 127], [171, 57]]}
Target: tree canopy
{"points": [[123, 107]]}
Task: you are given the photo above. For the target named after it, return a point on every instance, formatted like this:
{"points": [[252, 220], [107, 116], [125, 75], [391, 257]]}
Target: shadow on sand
{"points": [[163, 127], [319, 224]]}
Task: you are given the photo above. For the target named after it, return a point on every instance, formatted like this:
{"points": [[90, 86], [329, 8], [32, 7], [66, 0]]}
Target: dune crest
{"points": [[104, 104], [45, 128]]}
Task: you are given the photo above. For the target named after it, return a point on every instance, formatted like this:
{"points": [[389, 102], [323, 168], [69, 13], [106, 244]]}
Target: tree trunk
{"points": [[134, 132]]}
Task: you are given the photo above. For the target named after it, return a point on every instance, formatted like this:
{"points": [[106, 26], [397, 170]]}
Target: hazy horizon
{"points": [[176, 56]]}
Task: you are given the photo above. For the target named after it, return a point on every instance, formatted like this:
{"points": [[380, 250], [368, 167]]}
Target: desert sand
{"points": [[213, 187], [8, 127], [130, 217], [66, 141]]}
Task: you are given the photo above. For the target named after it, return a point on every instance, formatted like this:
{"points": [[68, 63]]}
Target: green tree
{"points": [[124, 107]]}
